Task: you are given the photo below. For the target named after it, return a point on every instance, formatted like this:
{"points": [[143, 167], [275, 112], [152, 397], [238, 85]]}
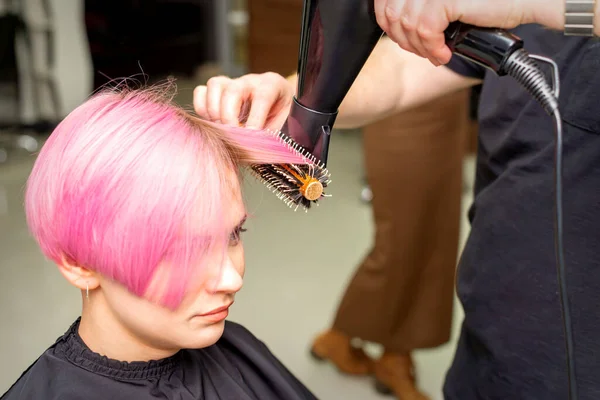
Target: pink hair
{"points": [[128, 181]]}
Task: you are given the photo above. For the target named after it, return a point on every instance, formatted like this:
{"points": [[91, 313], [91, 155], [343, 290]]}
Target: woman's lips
{"points": [[216, 315]]}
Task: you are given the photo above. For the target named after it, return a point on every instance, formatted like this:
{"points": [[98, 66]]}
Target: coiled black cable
{"points": [[523, 68]]}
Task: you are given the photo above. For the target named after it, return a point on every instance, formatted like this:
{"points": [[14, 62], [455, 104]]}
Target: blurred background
{"points": [[54, 53]]}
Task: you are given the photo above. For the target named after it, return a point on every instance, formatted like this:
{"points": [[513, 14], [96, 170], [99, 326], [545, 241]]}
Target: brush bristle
{"points": [[279, 179]]}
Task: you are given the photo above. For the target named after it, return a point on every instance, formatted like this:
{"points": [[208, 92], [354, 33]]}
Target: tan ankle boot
{"points": [[337, 348], [395, 374]]}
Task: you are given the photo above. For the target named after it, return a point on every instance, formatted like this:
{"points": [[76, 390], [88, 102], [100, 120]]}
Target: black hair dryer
{"points": [[336, 39]]}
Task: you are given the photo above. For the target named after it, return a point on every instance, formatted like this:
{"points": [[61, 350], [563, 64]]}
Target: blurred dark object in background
{"points": [[14, 26], [11, 25], [158, 37], [14, 134]]}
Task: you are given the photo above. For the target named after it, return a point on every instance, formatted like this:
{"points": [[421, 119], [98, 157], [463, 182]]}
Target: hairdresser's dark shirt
{"points": [[512, 343], [238, 367]]}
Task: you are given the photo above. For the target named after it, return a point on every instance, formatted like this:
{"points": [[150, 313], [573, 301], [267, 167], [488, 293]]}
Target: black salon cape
{"points": [[237, 367]]}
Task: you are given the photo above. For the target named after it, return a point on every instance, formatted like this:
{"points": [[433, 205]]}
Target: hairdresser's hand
{"points": [[254, 100], [418, 25]]}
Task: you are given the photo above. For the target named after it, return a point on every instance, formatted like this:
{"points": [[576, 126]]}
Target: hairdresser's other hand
{"points": [[418, 25], [254, 100]]}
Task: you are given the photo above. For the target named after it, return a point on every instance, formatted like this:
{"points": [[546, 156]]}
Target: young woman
{"points": [[138, 203]]}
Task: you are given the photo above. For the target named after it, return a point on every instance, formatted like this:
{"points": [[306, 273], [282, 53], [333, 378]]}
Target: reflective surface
{"points": [[337, 37]]}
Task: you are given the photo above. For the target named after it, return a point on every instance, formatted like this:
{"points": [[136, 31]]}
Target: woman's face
{"points": [[199, 320]]}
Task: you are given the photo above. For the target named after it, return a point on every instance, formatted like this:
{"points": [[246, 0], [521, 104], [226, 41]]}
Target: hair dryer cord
{"points": [[523, 68], [503, 53]]}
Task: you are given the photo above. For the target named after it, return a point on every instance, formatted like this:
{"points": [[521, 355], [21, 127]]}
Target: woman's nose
{"points": [[229, 280]]}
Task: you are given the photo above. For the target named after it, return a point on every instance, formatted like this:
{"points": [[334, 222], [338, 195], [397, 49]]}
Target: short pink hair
{"points": [[118, 183]]}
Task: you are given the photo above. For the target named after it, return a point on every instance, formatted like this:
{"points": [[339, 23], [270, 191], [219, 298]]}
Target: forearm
{"points": [[551, 14], [394, 80], [377, 90]]}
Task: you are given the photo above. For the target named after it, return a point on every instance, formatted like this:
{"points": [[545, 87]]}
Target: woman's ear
{"points": [[78, 276]]}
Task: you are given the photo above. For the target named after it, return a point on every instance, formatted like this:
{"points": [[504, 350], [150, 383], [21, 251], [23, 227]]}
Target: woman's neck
{"points": [[103, 333]]}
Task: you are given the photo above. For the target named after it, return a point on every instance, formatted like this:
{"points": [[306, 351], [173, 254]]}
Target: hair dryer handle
{"points": [[489, 47]]}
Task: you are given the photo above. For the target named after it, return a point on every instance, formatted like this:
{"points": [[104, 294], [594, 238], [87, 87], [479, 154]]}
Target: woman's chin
{"points": [[205, 336]]}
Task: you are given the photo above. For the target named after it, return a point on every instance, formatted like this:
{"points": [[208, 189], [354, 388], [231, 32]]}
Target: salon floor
{"points": [[297, 267]]}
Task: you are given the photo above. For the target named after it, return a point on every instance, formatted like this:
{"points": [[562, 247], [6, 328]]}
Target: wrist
{"points": [[597, 18], [549, 13]]}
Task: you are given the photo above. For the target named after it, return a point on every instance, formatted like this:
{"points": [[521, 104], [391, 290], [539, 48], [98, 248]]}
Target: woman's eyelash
{"points": [[235, 235]]}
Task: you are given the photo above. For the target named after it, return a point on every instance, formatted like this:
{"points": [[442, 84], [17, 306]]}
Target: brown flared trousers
{"points": [[401, 296]]}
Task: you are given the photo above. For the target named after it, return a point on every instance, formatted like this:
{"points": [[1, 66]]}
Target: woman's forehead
{"points": [[235, 210], [234, 206]]}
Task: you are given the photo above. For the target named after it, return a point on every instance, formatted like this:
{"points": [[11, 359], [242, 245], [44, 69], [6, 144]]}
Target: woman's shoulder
{"points": [[42, 381], [54, 376]]}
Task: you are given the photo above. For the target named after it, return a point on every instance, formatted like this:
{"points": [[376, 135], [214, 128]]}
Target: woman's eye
{"points": [[234, 239]]}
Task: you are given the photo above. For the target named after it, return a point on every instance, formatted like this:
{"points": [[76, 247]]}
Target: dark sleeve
{"points": [[466, 68]]}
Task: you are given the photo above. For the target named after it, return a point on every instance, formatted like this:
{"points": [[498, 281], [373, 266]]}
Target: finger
{"points": [[397, 20], [261, 107], [443, 54], [434, 45], [279, 113], [397, 34], [200, 101], [380, 6], [276, 121], [433, 22], [411, 15], [213, 98], [232, 99]]}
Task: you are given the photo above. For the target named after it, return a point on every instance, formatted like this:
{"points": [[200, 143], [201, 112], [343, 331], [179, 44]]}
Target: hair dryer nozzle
{"points": [[310, 129]]}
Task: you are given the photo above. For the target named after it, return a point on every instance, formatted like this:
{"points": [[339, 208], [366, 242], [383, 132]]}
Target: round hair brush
{"points": [[297, 185]]}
